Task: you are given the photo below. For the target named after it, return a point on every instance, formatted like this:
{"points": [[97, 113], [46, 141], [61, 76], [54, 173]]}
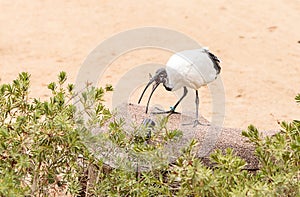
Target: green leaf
{"points": [[62, 77], [70, 87], [52, 86], [297, 98], [108, 88]]}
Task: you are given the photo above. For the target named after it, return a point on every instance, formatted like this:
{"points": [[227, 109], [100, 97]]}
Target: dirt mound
{"points": [[210, 137]]}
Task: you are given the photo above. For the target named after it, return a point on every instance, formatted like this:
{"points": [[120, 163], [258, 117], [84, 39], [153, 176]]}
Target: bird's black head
{"points": [[160, 76]]}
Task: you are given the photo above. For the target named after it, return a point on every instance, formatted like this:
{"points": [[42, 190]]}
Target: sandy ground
{"points": [[258, 42]]}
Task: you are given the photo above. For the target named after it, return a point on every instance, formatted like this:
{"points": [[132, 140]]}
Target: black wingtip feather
{"points": [[215, 61]]}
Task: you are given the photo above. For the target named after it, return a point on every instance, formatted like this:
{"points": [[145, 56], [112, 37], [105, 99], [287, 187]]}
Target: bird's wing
{"points": [[215, 60], [192, 68]]}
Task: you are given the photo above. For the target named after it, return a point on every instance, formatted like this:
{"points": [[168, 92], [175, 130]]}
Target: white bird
{"points": [[190, 68]]}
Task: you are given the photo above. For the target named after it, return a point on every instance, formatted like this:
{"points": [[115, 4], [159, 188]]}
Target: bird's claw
{"points": [[160, 111], [196, 123]]}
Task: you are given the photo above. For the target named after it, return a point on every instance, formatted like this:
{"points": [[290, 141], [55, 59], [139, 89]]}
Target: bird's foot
{"points": [[196, 123], [160, 111]]}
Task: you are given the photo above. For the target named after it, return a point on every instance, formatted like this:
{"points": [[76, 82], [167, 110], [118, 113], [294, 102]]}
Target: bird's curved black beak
{"points": [[155, 85]]}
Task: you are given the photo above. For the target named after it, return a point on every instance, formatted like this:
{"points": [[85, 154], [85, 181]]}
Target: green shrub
{"points": [[45, 150], [39, 143]]}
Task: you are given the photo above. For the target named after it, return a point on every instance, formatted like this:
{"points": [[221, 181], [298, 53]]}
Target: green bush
{"points": [[44, 152], [40, 145]]}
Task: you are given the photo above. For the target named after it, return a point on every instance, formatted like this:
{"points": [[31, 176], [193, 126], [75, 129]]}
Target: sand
{"points": [[258, 43]]}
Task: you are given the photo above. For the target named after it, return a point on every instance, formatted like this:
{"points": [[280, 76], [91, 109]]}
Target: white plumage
{"points": [[190, 68]]}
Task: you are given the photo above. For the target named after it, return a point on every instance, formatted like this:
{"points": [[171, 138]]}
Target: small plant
{"points": [[40, 144], [279, 158], [49, 148]]}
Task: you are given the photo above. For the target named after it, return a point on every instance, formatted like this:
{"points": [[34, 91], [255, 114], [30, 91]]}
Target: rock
{"points": [[210, 137]]}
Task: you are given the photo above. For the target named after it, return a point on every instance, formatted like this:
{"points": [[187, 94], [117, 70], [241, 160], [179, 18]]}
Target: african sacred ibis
{"points": [[190, 68]]}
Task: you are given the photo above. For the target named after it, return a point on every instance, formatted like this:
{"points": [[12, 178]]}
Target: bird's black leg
{"points": [[172, 110], [185, 91], [196, 121], [197, 105]]}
